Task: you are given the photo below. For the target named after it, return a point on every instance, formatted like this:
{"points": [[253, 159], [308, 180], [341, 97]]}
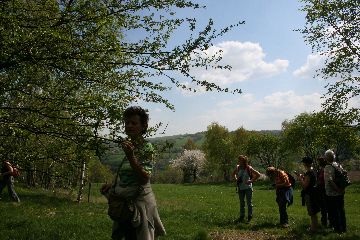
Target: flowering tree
{"points": [[191, 162]]}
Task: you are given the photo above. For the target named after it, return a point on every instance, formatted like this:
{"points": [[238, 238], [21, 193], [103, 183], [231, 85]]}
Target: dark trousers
{"points": [[282, 201], [123, 230], [337, 212], [248, 194], [9, 182], [323, 208]]}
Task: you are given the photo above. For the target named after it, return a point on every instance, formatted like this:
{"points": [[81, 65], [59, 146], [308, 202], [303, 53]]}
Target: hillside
{"points": [[113, 156]]}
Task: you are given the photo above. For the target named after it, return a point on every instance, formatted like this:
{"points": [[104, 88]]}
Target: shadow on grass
{"points": [[45, 200], [328, 234], [232, 223], [263, 225], [294, 233]]}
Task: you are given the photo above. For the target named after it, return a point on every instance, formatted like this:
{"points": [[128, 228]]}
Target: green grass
{"points": [[187, 211]]}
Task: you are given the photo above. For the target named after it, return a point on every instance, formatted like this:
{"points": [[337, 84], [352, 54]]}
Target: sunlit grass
{"points": [[187, 211]]}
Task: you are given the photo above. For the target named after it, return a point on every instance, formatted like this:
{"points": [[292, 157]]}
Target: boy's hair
{"points": [[142, 113]]}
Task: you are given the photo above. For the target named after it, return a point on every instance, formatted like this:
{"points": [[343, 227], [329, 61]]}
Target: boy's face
{"points": [[133, 126]]}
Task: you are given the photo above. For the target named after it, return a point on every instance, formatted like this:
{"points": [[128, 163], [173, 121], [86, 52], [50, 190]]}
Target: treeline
{"points": [[308, 134]]}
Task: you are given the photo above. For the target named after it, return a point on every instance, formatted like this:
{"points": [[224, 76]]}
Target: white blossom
{"points": [[190, 162]]}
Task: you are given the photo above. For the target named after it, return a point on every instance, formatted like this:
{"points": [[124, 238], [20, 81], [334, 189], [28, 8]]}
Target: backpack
{"points": [[341, 177], [291, 179]]}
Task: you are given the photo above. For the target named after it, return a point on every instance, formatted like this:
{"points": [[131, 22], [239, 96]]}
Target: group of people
{"points": [[319, 191]]}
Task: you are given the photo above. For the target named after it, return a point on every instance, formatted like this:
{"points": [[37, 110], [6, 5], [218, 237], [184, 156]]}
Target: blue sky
{"points": [[270, 63]]}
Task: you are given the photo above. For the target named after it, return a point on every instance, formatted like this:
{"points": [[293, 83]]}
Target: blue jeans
{"points": [[248, 193], [284, 199], [9, 182]]}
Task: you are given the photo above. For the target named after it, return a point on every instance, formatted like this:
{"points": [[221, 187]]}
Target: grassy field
{"points": [[187, 211]]}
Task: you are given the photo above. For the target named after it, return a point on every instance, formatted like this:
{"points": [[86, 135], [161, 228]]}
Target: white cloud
{"points": [[246, 111], [313, 63], [266, 113], [243, 98], [247, 61]]}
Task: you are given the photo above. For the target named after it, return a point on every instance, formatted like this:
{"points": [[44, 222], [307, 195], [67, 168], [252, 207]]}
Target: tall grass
{"points": [[187, 211]]}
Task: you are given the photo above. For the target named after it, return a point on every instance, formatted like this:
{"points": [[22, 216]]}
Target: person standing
{"points": [[132, 182], [7, 179], [321, 192], [245, 175], [308, 182], [334, 194], [284, 192]]}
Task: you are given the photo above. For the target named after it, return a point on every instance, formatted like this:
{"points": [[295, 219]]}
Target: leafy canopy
{"points": [[333, 29], [69, 68]]}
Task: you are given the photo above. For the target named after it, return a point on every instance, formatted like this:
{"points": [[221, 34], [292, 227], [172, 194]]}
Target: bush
{"points": [[169, 175]]}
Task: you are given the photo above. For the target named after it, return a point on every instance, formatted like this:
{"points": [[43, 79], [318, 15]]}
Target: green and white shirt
{"points": [[145, 156]]}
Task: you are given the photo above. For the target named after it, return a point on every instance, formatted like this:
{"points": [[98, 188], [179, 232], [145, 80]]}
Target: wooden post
{"points": [[89, 192]]}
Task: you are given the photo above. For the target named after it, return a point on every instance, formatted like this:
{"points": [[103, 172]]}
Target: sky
{"points": [[271, 64]]}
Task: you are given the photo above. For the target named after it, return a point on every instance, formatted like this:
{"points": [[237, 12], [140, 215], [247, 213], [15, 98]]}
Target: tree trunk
{"points": [[194, 175], [82, 182], [186, 177]]}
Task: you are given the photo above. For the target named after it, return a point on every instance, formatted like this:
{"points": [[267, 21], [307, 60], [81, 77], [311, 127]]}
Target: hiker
{"points": [[132, 182], [334, 194], [245, 175], [321, 192], [7, 179], [284, 192], [308, 182]]}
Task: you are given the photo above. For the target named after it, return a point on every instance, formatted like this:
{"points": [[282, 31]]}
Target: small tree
{"points": [[191, 162], [190, 145], [267, 149], [217, 146]]}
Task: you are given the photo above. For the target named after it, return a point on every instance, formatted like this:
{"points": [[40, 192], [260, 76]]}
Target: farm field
{"points": [[187, 211]]}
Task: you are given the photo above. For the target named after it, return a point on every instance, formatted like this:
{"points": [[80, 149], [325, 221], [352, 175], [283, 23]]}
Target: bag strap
{"points": [[140, 188], [118, 171]]}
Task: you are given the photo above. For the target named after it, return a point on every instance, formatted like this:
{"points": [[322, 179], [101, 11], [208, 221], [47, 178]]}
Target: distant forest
{"points": [[113, 156]]}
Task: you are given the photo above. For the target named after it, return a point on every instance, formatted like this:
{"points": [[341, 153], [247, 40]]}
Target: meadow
{"points": [[204, 211]]}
